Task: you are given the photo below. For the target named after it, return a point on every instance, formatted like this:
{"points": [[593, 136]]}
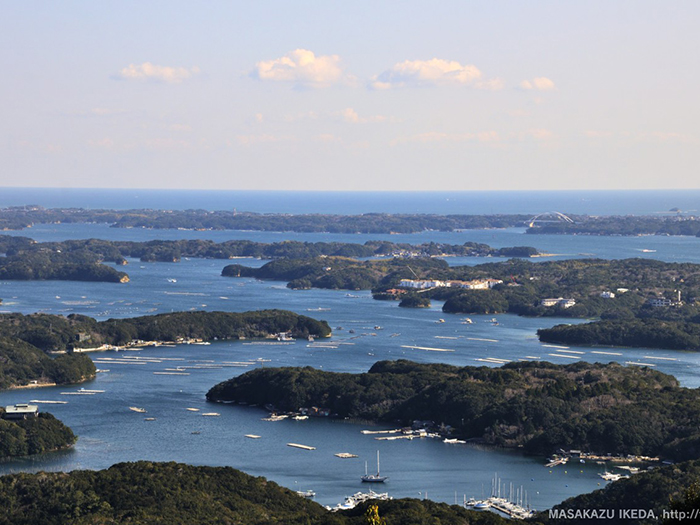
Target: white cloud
{"points": [[493, 84], [351, 116], [303, 68], [435, 71], [148, 71], [538, 84]]}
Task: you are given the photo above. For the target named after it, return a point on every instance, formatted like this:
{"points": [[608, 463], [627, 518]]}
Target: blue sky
{"points": [[350, 95]]}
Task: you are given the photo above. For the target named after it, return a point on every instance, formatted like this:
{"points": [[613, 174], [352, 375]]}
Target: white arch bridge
{"points": [[549, 217]]}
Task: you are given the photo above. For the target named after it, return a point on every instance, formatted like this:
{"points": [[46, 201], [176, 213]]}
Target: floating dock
{"points": [[303, 447]]}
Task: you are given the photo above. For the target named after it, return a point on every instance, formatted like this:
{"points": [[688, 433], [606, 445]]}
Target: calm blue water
{"points": [[109, 432], [666, 248], [462, 202]]}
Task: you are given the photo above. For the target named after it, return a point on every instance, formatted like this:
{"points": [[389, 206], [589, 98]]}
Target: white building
{"points": [[21, 411], [476, 284], [608, 295], [558, 301]]}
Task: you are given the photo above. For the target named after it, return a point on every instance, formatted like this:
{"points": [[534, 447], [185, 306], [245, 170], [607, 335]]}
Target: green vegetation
{"points": [[670, 487], [535, 405], [24, 339], [95, 250], [37, 435], [415, 301], [55, 332], [643, 333], [26, 260], [22, 362], [19, 217], [622, 225], [173, 493], [337, 272]]}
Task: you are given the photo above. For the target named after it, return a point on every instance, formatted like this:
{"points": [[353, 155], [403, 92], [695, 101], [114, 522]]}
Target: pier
{"points": [[303, 447]]}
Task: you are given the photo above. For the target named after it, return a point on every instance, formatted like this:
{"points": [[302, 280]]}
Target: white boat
{"points": [[306, 493], [609, 476], [359, 497], [373, 478], [137, 409], [467, 320]]}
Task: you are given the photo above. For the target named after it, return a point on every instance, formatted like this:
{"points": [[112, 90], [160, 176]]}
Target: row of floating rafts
{"points": [[82, 392]]}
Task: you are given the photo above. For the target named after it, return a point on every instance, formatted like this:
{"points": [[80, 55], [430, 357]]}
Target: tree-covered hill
{"points": [[56, 332], [25, 437], [147, 493], [658, 490], [537, 405], [22, 362]]}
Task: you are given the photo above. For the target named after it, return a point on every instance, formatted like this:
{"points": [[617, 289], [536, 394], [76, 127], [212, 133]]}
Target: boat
{"points": [[440, 321], [360, 497], [149, 419], [373, 478], [300, 418], [137, 409], [467, 320], [306, 493], [609, 476], [482, 505], [211, 414]]}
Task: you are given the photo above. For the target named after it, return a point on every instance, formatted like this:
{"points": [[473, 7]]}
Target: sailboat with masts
{"points": [[374, 478]]}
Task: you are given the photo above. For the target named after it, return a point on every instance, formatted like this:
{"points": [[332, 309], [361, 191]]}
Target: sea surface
{"points": [[365, 331], [620, 202]]}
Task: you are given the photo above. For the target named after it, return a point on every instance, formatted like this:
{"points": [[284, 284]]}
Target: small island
{"points": [[52, 333], [24, 431], [537, 406]]}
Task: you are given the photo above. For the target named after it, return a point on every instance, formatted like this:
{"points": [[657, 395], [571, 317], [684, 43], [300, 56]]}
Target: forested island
{"points": [[35, 435], [23, 363], [92, 251], [26, 339], [20, 217], [537, 406], [675, 223], [50, 332], [26, 260]]}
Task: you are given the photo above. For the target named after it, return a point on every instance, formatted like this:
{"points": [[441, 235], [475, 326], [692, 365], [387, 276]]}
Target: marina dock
{"points": [[303, 447]]}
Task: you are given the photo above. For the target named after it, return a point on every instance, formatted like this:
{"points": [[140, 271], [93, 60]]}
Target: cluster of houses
{"points": [[424, 284]]}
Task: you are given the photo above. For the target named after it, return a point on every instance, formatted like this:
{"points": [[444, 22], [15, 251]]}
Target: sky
{"points": [[360, 95]]}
